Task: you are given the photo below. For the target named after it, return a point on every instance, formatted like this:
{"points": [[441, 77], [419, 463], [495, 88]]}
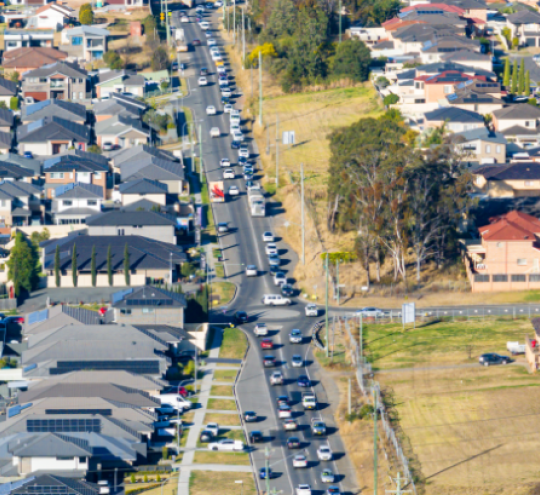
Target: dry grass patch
{"points": [[225, 375], [222, 419], [222, 390], [206, 482], [222, 404], [233, 458], [233, 345]]}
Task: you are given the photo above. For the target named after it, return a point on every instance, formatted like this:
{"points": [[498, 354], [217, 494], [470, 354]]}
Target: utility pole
{"points": [[260, 90], [195, 361], [234, 23], [251, 69], [326, 311], [361, 336], [340, 21], [267, 458], [167, 23], [243, 42], [302, 214], [228, 19], [350, 397], [337, 280], [399, 490], [375, 441], [277, 151], [200, 155]]}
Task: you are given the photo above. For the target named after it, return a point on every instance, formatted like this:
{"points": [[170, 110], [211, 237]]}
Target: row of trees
{"points": [[519, 80], [298, 48], [399, 200], [93, 267]]}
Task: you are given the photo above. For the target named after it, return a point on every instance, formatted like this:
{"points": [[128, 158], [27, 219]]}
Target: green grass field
{"points": [[234, 344]]}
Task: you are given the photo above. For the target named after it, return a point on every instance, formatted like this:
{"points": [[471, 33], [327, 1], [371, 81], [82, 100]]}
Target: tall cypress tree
{"points": [[93, 266], [109, 266], [57, 266], [527, 83], [126, 265], [74, 268], [515, 77], [521, 78], [506, 78]]}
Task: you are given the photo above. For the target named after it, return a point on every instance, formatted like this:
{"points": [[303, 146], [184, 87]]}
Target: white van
{"points": [[174, 400], [275, 300]]}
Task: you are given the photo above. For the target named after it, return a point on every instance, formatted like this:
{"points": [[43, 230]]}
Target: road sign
{"points": [[288, 137], [408, 313]]}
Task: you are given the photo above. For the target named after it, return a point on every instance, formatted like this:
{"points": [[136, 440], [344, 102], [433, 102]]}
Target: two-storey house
{"points": [[74, 203], [85, 42], [20, 204]]}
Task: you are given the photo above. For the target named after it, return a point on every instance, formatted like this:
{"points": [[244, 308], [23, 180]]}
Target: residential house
{"points": [[122, 81], [149, 306], [106, 109], [19, 38], [7, 120], [525, 25], [127, 4], [75, 154], [482, 103], [466, 57], [454, 119], [139, 152], [150, 190], [150, 224], [14, 172], [70, 169], [434, 50], [30, 58], [149, 260], [44, 482], [27, 163], [52, 135], [510, 180], [370, 36], [475, 9], [6, 142], [59, 316], [525, 116], [20, 204], [438, 67], [164, 171], [51, 16], [60, 80], [74, 203], [437, 87], [130, 100], [122, 131], [506, 256], [481, 146], [8, 90], [67, 110], [85, 42]]}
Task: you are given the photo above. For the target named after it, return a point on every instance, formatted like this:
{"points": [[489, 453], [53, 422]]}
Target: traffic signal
{"points": [[162, 16], [169, 14]]}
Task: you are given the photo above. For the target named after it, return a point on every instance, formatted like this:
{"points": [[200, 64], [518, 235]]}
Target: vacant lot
{"points": [[233, 345], [206, 483], [467, 430]]}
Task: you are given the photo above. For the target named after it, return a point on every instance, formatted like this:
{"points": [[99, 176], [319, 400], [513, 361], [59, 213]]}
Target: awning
{"points": [[18, 384]]}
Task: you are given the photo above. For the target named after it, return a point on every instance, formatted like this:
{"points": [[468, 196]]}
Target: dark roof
{"points": [[7, 88], [78, 190], [14, 189], [407, 74], [48, 444], [118, 124], [152, 168], [54, 108], [121, 217], [143, 186], [108, 75], [511, 171], [465, 55], [454, 114], [30, 163], [128, 99], [115, 107], [70, 163], [517, 112], [5, 140], [144, 253], [142, 204], [468, 4], [52, 128], [153, 295], [140, 152], [6, 117], [85, 155], [13, 171], [64, 68], [518, 130], [51, 483], [524, 17], [437, 67], [468, 97], [484, 134]]}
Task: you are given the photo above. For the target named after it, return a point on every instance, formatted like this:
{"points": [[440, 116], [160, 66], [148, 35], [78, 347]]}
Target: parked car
{"points": [[492, 358], [241, 317], [226, 444], [106, 146], [250, 416], [212, 428], [206, 436], [222, 227], [28, 154], [267, 344]]}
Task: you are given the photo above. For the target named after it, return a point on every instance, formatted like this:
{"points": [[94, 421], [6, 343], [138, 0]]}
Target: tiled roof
{"points": [[122, 218], [511, 171], [54, 108], [119, 124], [49, 128], [31, 57], [454, 114], [79, 190], [154, 295], [524, 17], [64, 68], [513, 226], [6, 117], [143, 186], [517, 111], [7, 88]]}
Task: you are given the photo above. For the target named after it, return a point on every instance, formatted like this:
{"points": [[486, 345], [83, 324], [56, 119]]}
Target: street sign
{"points": [[288, 137], [408, 313]]}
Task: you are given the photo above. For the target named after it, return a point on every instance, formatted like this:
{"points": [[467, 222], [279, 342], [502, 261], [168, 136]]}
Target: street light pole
{"points": [[260, 90], [340, 21], [277, 151], [243, 42], [200, 155], [326, 311], [267, 455], [302, 214]]}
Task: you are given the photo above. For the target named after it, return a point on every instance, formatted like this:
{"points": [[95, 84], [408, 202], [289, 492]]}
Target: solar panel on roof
{"points": [[36, 107], [63, 425], [51, 161], [37, 316], [103, 412], [35, 125], [452, 97], [15, 410], [63, 189], [142, 367]]}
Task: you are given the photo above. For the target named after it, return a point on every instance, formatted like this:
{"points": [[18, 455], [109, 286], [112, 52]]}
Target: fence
{"points": [[371, 390]]}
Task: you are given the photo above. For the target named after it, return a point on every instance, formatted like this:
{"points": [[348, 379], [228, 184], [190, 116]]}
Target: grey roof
{"points": [[58, 316], [12, 190], [46, 483], [63, 68], [30, 163], [69, 163], [21, 212], [115, 107], [142, 204], [46, 445], [518, 130], [484, 134], [154, 295], [14, 171], [169, 333], [437, 67], [423, 32], [79, 190], [454, 114], [140, 152], [66, 110], [143, 186], [511, 171], [153, 168], [108, 75], [7, 88], [88, 30], [5, 140], [466, 56], [517, 112], [119, 124], [71, 212], [50, 128], [85, 155], [6, 117], [406, 75], [524, 17], [383, 45], [469, 97], [468, 4], [122, 218], [450, 43], [127, 99]]}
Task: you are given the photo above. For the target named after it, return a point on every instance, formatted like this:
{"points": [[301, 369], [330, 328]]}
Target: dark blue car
{"points": [[235, 145], [303, 381], [263, 474]]}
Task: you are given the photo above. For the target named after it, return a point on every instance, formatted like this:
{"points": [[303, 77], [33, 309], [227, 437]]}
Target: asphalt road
{"points": [[243, 246]]}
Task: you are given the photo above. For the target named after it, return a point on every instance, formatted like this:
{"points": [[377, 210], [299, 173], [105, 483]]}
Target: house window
{"points": [[121, 232], [448, 90], [64, 458], [76, 40], [57, 175], [97, 175], [479, 179], [499, 244], [522, 261], [67, 203], [488, 148], [148, 311], [498, 149], [3, 203], [476, 108], [500, 278], [81, 96], [527, 123], [481, 278], [518, 278], [82, 459], [43, 80], [534, 277], [125, 311], [80, 80], [529, 182], [91, 202]]}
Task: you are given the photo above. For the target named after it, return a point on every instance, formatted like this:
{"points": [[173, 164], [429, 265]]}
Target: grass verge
{"points": [[225, 375], [223, 293], [223, 390], [220, 271], [208, 482], [222, 404], [233, 345], [233, 458], [222, 419]]}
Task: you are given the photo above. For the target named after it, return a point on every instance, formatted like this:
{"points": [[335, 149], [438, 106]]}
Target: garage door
{"points": [[530, 41], [37, 95]]}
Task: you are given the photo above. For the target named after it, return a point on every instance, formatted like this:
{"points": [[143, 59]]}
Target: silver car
{"points": [[271, 248], [327, 476], [297, 361]]}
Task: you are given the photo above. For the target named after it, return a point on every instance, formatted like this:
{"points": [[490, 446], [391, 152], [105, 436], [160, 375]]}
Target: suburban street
{"points": [[241, 246]]}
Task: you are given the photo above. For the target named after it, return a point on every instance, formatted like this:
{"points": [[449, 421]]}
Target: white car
{"points": [[297, 361], [234, 191], [204, 25], [227, 108], [225, 162], [223, 82], [276, 378], [275, 300], [300, 461], [243, 152], [261, 329], [303, 489], [235, 119], [226, 92], [312, 310], [211, 110], [251, 271], [235, 129], [370, 312], [324, 453], [184, 18], [216, 57], [253, 186], [290, 425], [268, 237], [215, 132], [228, 174], [284, 411], [237, 136], [211, 42], [217, 4], [271, 248], [280, 279], [212, 428], [226, 444], [203, 81], [222, 71]]}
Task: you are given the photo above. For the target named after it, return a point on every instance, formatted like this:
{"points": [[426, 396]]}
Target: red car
{"points": [[196, 42], [267, 344]]}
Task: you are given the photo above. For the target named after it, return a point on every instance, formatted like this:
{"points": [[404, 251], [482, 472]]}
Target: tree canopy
{"points": [[23, 265]]}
